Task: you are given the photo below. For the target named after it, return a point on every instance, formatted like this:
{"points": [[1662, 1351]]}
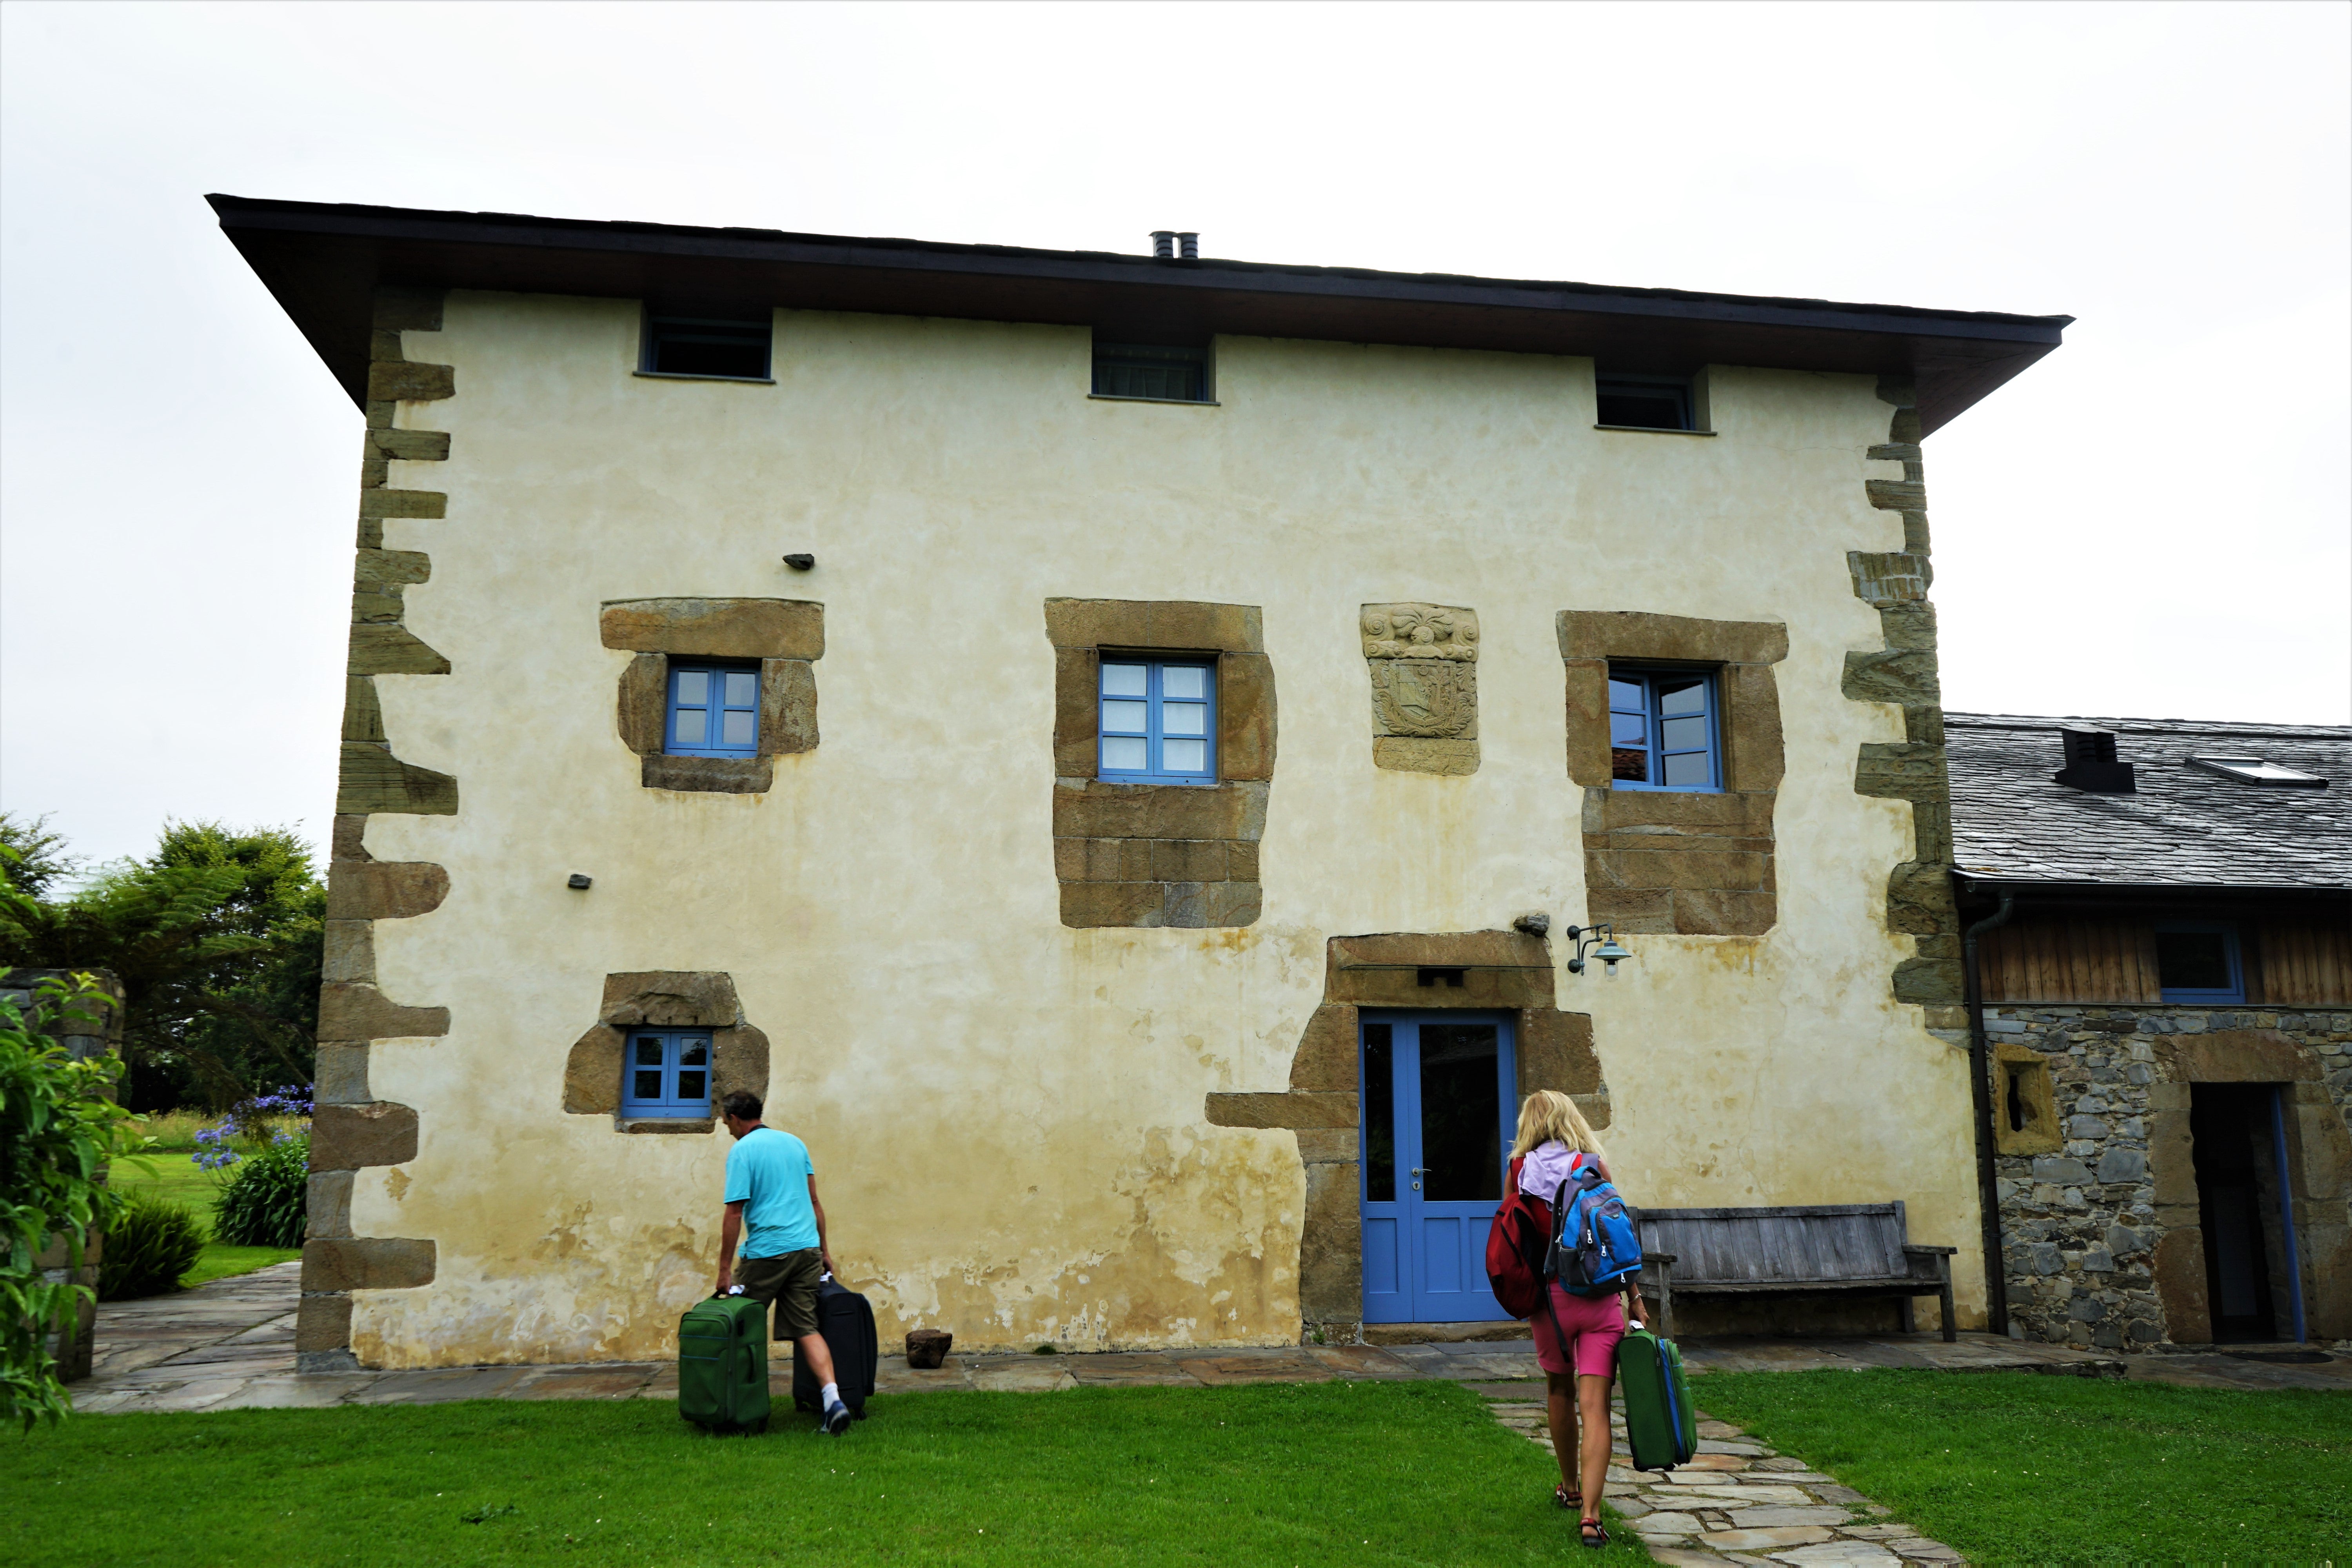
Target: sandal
{"points": [[1563, 1498], [1595, 1535]]}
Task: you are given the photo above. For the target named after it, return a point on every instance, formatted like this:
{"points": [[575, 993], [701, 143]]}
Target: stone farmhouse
{"points": [[2159, 942], [848, 669]]}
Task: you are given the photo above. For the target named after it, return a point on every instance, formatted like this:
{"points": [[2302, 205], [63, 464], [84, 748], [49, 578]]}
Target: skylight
{"points": [[2254, 771]]}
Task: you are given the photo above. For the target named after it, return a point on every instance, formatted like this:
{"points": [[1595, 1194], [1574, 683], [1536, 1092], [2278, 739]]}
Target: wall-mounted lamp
{"points": [[577, 882], [801, 560], [1601, 943]]}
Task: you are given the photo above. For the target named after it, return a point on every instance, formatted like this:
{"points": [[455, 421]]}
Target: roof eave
{"points": [[323, 261]]}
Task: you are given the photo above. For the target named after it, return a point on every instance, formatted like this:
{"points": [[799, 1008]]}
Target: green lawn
{"points": [[2013, 1467], [1318, 1473], [172, 1175]]}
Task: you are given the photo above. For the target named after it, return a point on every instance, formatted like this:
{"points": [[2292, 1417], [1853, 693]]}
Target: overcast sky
{"points": [[2153, 522]]}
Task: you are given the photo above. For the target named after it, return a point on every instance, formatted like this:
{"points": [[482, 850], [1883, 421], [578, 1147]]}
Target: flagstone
{"points": [[1745, 1539], [1751, 1518], [1839, 1553], [1677, 1524]]}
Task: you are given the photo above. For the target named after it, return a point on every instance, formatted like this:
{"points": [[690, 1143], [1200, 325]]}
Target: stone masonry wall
{"points": [[2087, 1205]]}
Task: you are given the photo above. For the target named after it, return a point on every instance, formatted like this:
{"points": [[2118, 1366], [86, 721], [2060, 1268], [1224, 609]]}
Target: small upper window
{"points": [[668, 1075], [690, 346], [1645, 401], [1146, 370], [2197, 960], [2256, 771], [1662, 730], [714, 711], [1159, 721]]}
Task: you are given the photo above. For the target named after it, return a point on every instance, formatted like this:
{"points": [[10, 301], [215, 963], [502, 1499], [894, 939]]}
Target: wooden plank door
{"points": [[1438, 1111]]}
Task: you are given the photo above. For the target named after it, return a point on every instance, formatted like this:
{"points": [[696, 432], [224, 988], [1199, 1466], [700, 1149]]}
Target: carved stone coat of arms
{"points": [[1423, 660]]}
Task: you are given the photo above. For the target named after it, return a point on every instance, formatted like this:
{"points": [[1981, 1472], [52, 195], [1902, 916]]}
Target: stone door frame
{"points": [[1488, 972], [2319, 1176]]}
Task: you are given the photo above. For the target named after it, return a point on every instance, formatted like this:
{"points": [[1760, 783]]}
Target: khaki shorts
{"points": [[788, 1282]]}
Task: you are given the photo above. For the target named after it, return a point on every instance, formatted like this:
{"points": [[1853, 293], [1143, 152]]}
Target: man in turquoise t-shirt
{"points": [[771, 1204]]}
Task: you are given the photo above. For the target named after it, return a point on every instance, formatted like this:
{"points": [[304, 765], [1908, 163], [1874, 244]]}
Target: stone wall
{"points": [[2100, 1228]]}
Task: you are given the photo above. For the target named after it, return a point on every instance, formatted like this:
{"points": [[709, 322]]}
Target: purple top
{"points": [[1547, 1166]]}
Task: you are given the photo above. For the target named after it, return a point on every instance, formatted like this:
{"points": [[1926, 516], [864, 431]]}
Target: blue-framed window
{"points": [[1662, 733], [667, 1074], [2197, 960], [714, 711], [1159, 721]]}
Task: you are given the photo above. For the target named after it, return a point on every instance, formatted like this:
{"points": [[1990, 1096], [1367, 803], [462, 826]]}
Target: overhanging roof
{"points": [[323, 261]]}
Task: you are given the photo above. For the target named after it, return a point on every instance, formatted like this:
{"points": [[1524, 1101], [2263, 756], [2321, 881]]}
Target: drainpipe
{"points": [[1981, 1095]]}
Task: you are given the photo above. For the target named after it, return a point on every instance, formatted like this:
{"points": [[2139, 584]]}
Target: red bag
{"points": [[1515, 1247]]}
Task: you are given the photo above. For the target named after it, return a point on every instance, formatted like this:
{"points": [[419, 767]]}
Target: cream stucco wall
{"points": [[1006, 1114]]}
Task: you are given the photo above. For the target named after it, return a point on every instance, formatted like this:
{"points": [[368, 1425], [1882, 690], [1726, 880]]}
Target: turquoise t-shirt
{"points": [[768, 1172]]}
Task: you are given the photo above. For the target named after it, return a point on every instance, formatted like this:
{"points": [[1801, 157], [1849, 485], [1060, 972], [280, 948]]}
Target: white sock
{"points": [[832, 1393]]}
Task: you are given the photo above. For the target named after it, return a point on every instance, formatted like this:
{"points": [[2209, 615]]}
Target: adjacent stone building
{"points": [[2165, 960], [848, 669]]}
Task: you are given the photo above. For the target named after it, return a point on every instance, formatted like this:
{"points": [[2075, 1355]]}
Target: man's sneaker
{"points": [[837, 1419]]}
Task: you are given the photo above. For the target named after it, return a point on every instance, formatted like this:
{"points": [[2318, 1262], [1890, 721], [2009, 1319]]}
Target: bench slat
{"points": [[1822, 1244]]}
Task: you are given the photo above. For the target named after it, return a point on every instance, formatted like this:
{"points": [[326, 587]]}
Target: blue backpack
{"points": [[1596, 1247]]}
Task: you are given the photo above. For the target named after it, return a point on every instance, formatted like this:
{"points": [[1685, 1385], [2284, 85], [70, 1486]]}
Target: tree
{"points": [[219, 939], [40, 858]]}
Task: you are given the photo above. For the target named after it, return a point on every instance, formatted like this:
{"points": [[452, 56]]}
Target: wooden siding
{"points": [[2305, 965], [2094, 960], [2070, 960]]}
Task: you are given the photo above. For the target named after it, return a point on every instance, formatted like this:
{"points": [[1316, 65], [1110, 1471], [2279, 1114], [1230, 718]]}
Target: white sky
{"points": [[2151, 523]]}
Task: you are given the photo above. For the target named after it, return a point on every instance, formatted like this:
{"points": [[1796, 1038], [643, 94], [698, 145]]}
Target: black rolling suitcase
{"points": [[845, 1319]]}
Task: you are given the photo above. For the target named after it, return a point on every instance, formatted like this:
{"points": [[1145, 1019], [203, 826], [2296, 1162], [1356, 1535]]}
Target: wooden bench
{"points": [[1832, 1249]]}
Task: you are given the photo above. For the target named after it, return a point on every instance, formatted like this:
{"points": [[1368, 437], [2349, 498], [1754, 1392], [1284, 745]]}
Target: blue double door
{"points": [[1439, 1105]]}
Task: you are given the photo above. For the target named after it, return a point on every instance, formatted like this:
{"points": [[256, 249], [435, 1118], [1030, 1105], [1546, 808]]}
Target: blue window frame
{"points": [[1159, 721], [2197, 960], [1662, 733], [667, 1074], [714, 711]]}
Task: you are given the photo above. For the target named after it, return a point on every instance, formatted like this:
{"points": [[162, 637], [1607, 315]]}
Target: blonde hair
{"points": [[1547, 1116]]}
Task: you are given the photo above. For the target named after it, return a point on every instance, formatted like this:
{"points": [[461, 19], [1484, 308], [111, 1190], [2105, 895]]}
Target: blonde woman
{"points": [[1576, 1336]]}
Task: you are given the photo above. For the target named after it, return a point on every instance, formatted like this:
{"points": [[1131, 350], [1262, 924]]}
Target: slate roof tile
{"points": [[2184, 828]]}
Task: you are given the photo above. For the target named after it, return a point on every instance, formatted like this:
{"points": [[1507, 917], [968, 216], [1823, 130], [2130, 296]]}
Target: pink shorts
{"points": [[1593, 1325]]}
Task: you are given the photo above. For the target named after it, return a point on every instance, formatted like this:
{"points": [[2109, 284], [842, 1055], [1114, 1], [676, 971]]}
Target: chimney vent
{"points": [[1163, 242], [2091, 765], [1188, 245]]}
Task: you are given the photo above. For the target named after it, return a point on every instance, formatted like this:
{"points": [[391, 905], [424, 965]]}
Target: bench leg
{"points": [[1910, 1319], [1951, 1330]]}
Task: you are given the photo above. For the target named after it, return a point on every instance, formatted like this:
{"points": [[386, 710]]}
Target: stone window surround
{"points": [[1689, 863], [1502, 972], [664, 999], [1145, 855], [785, 636]]}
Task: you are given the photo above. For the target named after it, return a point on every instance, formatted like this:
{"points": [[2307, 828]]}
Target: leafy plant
{"points": [[149, 1246], [57, 1128], [267, 1203]]}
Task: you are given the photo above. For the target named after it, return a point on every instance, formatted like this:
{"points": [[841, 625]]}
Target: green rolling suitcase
{"points": [[723, 1364], [1661, 1426]]}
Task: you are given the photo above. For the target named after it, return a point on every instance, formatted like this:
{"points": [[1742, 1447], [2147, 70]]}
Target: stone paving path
{"points": [[230, 1345], [1735, 1501]]}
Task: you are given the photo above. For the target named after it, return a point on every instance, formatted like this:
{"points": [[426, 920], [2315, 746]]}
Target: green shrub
{"points": [[268, 1202], [56, 1130], [150, 1245]]}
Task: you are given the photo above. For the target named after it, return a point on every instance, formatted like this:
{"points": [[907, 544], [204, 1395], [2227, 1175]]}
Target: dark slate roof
{"points": [[2184, 828]]}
